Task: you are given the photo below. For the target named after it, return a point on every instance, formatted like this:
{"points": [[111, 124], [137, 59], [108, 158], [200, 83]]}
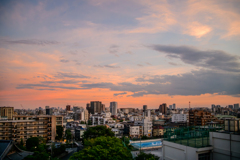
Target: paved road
{"points": [[70, 154]]}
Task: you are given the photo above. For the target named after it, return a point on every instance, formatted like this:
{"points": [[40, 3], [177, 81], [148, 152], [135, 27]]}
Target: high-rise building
{"points": [[96, 107], [6, 112], [174, 106], [230, 106], [144, 108], [236, 106], [103, 107], [47, 110], [170, 107], [163, 108], [68, 107], [113, 108], [75, 108]]}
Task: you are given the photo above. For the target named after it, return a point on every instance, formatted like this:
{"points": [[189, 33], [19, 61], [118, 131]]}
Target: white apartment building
{"points": [[179, 118], [146, 125], [134, 131], [100, 120], [135, 118]]}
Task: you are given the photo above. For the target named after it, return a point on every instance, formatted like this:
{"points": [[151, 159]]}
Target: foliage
{"points": [[144, 137], [82, 122], [58, 151], [68, 134], [145, 156], [21, 143], [59, 132], [37, 156], [97, 131], [41, 140], [89, 122], [127, 143], [32, 143], [103, 148]]}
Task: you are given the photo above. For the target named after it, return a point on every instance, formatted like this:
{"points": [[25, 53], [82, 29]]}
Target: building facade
{"points": [[6, 112], [201, 118], [24, 127], [179, 118], [163, 108]]}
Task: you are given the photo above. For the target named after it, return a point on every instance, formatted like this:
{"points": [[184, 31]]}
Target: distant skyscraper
{"points": [[236, 106], [68, 107], [96, 107], [230, 106], [163, 108], [47, 110], [170, 107], [113, 108], [174, 106], [144, 108]]}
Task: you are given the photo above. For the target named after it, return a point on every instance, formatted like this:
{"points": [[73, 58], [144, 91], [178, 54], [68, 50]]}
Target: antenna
{"points": [[189, 104]]}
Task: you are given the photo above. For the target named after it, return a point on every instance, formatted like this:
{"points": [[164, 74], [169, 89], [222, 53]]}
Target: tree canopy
{"points": [[145, 156], [59, 132], [32, 143], [103, 148], [68, 134], [97, 131]]}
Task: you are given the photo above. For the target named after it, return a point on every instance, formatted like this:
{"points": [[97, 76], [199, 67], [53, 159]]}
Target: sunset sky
{"points": [[134, 52]]}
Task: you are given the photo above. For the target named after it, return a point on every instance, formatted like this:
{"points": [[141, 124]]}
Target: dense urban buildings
{"points": [[135, 123], [201, 118]]}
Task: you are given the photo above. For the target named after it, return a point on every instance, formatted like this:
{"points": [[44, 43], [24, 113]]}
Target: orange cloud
{"points": [[197, 30]]}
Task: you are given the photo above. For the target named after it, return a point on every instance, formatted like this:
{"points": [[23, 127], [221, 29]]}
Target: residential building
{"points": [[201, 117], [24, 127], [135, 131], [236, 106], [6, 112], [158, 131], [98, 119], [179, 118], [68, 107], [96, 107], [163, 108], [146, 125]]}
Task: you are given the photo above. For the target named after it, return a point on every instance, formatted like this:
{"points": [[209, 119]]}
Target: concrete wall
{"points": [[226, 146], [174, 151]]}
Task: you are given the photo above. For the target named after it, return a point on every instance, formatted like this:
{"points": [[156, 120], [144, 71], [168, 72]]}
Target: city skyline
{"points": [[132, 52]]}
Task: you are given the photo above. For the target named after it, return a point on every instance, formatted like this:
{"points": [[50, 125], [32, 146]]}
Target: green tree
{"points": [[68, 134], [145, 156], [59, 132], [103, 148], [59, 150], [32, 143], [97, 131], [82, 122]]}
